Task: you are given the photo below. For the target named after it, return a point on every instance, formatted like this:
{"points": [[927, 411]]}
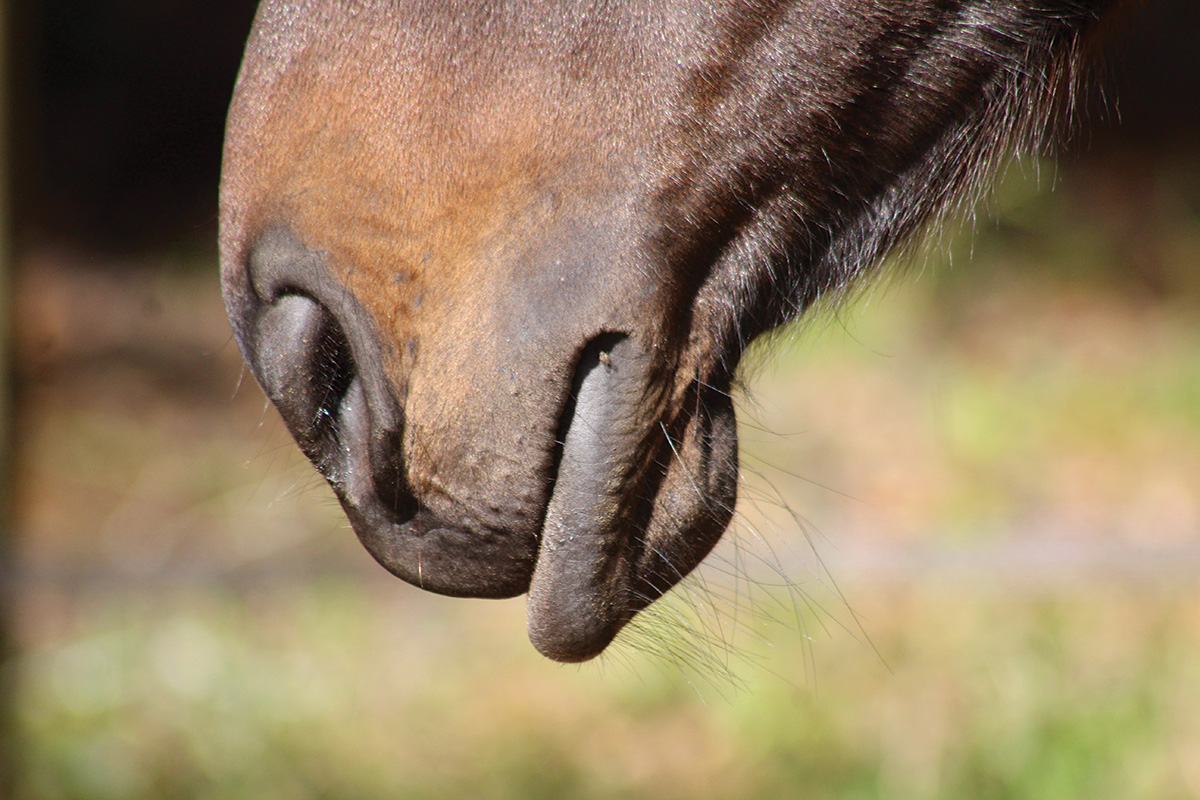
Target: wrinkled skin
{"points": [[496, 263]]}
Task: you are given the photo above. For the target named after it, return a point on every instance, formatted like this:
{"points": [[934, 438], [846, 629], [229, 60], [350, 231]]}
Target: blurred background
{"points": [[966, 565]]}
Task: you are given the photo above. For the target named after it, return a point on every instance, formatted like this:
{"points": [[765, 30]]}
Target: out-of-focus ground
{"points": [[980, 481]]}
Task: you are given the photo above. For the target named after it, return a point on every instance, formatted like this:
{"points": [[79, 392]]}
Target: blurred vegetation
{"points": [[994, 467], [336, 691]]}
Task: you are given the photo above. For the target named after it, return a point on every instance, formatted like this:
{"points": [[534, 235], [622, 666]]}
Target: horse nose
{"points": [[317, 356]]}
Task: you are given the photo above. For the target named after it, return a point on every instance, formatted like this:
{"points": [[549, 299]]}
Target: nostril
{"points": [[318, 355], [306, 365], [332, 368]]}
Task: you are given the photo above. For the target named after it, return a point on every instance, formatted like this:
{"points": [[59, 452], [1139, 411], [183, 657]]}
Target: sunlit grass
{"points": [[335, 691]]}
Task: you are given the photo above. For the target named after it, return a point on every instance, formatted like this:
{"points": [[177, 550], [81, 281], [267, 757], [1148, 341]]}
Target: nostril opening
{"points": [[316, 352], [306, 364], [332, 369]]}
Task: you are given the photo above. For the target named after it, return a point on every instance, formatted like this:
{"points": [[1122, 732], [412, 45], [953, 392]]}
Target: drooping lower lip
{"points": [[579, 594]]}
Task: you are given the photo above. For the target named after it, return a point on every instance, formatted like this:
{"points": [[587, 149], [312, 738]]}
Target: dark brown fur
{"points": [[441, 220]]}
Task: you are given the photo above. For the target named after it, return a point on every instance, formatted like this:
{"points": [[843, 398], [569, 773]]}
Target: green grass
{"points": [[335, 691]]}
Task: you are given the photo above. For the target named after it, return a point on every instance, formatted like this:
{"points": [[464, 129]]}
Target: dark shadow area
{"points": [[120, 112], [1147, 97]]}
